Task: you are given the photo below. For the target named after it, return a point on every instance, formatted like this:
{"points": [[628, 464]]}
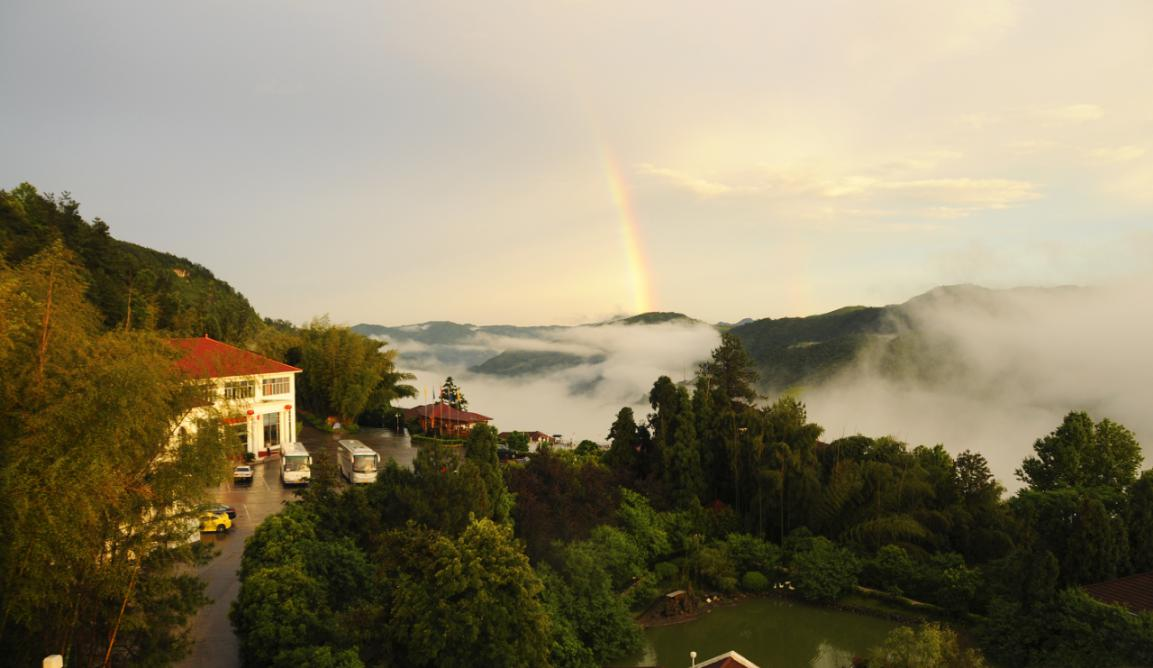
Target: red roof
{"points": [[446, 412], [727, 660], [1134, 592], [203, 357]]}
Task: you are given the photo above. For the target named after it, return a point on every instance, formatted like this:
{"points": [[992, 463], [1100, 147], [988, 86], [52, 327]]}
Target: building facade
{"points": [[255, 395]]}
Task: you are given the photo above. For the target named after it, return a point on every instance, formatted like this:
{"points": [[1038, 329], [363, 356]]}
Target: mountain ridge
{"points": [[787, 352]]}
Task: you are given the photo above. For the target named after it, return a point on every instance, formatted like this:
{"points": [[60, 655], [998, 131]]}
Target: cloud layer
{"points": [[1009, 370]]}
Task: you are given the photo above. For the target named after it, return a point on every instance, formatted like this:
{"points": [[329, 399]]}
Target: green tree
{"points": [[587, 448], [824, 572], [1070, 629], [469, 601], [518, 442], [730, 371], [623, 442], [1082, 454], [1095, 551], [480, 451], [559, 499], [450, 394], [927, 646], [677, 461], [345, 373], [1139, 520], [580, 581], [124, 480]]}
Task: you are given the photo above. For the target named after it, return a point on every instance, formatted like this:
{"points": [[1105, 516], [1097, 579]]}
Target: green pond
{"points": [[770, 632]]}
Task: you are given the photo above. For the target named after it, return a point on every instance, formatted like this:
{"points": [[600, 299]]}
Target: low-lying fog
{"points": [[580, 402], [1016, 364]]}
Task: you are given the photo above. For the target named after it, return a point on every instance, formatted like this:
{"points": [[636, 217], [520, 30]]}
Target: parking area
{"points": [[215, 645]]}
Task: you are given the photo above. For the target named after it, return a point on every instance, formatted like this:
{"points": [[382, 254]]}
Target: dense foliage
{"points": [[347, 376], [910, 521], [443, 582], [100, 473], [131, 287]]}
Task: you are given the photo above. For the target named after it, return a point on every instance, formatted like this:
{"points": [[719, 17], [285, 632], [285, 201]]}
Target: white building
{"points": [[256, 395]]}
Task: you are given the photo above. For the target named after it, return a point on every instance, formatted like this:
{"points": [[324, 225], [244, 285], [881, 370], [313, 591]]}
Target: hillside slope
{"points": [[132, 283]]}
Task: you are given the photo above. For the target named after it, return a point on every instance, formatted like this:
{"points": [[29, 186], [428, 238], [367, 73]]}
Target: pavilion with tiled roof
{"points": [[445, 419]]}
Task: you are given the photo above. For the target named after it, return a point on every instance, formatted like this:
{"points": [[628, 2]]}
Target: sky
{"points": [[568, 161]]}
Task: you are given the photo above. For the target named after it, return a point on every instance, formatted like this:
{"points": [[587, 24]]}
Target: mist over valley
{"points": [[968, 367]]}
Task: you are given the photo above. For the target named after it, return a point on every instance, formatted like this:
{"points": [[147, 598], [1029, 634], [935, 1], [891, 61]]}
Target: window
{"points": [[271, 429], [275, 386], [239, 389]]}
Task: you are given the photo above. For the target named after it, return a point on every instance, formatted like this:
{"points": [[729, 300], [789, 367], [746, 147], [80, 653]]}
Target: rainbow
{"points": [[630, 233]]}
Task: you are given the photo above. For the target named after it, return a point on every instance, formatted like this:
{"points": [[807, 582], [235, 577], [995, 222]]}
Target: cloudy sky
{"points": [[563, 161]]}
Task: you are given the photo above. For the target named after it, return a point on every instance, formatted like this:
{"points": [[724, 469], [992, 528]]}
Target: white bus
{"points": [[295, 464], [358, 462]]}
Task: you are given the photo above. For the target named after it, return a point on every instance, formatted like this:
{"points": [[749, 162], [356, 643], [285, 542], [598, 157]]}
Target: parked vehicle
{"points": [[295, 464], [358, 462], [212, 522], [222, 508], [242, 474]]}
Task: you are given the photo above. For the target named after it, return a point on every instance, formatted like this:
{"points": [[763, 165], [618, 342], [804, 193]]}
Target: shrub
{"points": [[665, 571], [754, 581], [750, 553], [823, 571]]}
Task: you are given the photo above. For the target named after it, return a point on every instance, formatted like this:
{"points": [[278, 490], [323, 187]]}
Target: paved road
{"points": [[216, 646]]}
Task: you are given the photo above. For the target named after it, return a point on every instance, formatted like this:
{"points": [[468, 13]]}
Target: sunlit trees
{"points": [[927, 646], [346, 373], [131, 287], [99, 473]]}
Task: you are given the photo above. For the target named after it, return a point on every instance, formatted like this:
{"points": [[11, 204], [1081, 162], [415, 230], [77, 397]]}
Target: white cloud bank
{"points": [[1013, 371], [1010, 367], [579, 402]]}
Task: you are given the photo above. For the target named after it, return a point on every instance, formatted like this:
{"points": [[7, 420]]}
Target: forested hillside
{"points": [[801, 351], [132, 287]]}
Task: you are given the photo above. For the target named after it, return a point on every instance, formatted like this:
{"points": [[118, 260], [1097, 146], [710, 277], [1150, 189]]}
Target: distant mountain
{"points": [[654, 318], [787, 352], [531, 362], [730, 325], [791, 352], [800, 351], [497, 349]]}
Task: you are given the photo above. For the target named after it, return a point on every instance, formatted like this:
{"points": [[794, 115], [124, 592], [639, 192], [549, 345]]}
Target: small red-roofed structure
{"points": [[445, 419], [256, 395]]}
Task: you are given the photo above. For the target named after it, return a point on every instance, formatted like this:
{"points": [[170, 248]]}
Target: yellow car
{"points": [[217, 522]]}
